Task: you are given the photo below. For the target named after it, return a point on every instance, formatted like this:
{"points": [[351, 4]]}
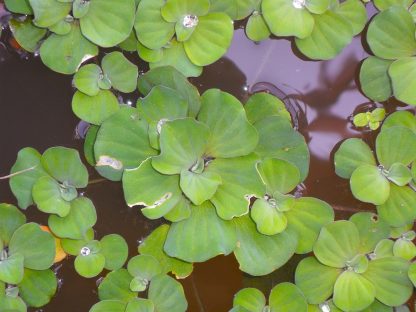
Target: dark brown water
{"points": [[36, 111]]}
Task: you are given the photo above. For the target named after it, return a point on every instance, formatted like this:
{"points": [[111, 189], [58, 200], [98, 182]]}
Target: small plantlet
{"points": [[372, 119]]}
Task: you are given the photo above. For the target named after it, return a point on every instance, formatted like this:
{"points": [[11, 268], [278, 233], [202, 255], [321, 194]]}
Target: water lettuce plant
{"points": [[384, 182], [372, 119]]}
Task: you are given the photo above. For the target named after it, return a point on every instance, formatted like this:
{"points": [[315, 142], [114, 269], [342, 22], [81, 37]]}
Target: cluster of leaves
{"points": [[50, 181], [372, 119], [311, 22], [391, 37], [356, 266], [387, 182], [26, 255], [201, 161]]}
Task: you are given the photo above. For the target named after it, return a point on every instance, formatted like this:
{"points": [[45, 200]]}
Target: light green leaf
{"points": [[149, 55], [399, 174], [120, 71], [353, 292], [389, 277], [174, 10], [80, 219], [262, 105], [49, 12], [306, 218], [27, 34], [10, 220], [151, 29], [316, 280], [400, 118], [18, 6], [181, 211], [38, 287], [109, 305], [278, 175], [405, 249], [317, 6], [354, 11], [374, 79], [80, 8], [199, 187], [396, 145], [412, 273], [74, 246], [256, 28], [182, 144], [35, 245], [236, 9], [64, 54], [167, 294], [11, 269], [368, 184], [286, 19], [130, 44], [202, 236], [391, 34], [104, 25], [401, 73], [253, 249], [65, 165], [153, 246], [240, 182], [115, 250], [385, 4], [210, 40], [140, 305], [330, 35], [89, 144], [268, 219], [286, 297], [278, 139], [13, 304], [28, 163], [116, 286], [95, 109], [338, 243], [361, 119], [251, 299], [86, 79], [144, 267], [89, 266], [62, 27]]}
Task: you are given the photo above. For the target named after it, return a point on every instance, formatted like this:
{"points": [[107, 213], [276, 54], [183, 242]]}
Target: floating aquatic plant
{"points": [[372, 119]]}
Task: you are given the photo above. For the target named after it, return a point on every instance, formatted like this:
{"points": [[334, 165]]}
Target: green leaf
{"points": [[316, 280], [167, 294], [372, 230], [181, 211], [374, 79], [199, 187], [325, 43], [27, 34], [11, 269], [12, 304], [115, 250], [89, 144], [109, 305], [286, 297], [240, 182], [49, 12], [116, 286], [412, 273], [353, 292], [62, 27], [151, 29], [28, 163], [226, 118], [251, 299], [253, 249], [74, 246], [378, 114], [48, 195], [361, 119], [86, 79], [385, 4], [65, 54], [80, 219], [236, 9], [10, 220], [140, 305], [95, 109], [38, 287], [18, 6], [149, 55], [399, 209], [389, 277], [396, 145], [174, 10], [210, 40], [401, 73], [122, 143], [182, 144], [278, 175], [391, 34], [146, 187], [89, 266], [173, 54], [306, 218], [153, 246], [400, 118], [354, 11], [144, 267], [337, 243], [268, 219], [262, 105], [96, 25], [286, 19], [278, 139], [65, 165], [399, 174], [36, 246], [405, 249], [317, 6], [171, 78], [368, 184], [80, 8], [202, 236], [130, 44], [120, 71], [256, 28]]}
